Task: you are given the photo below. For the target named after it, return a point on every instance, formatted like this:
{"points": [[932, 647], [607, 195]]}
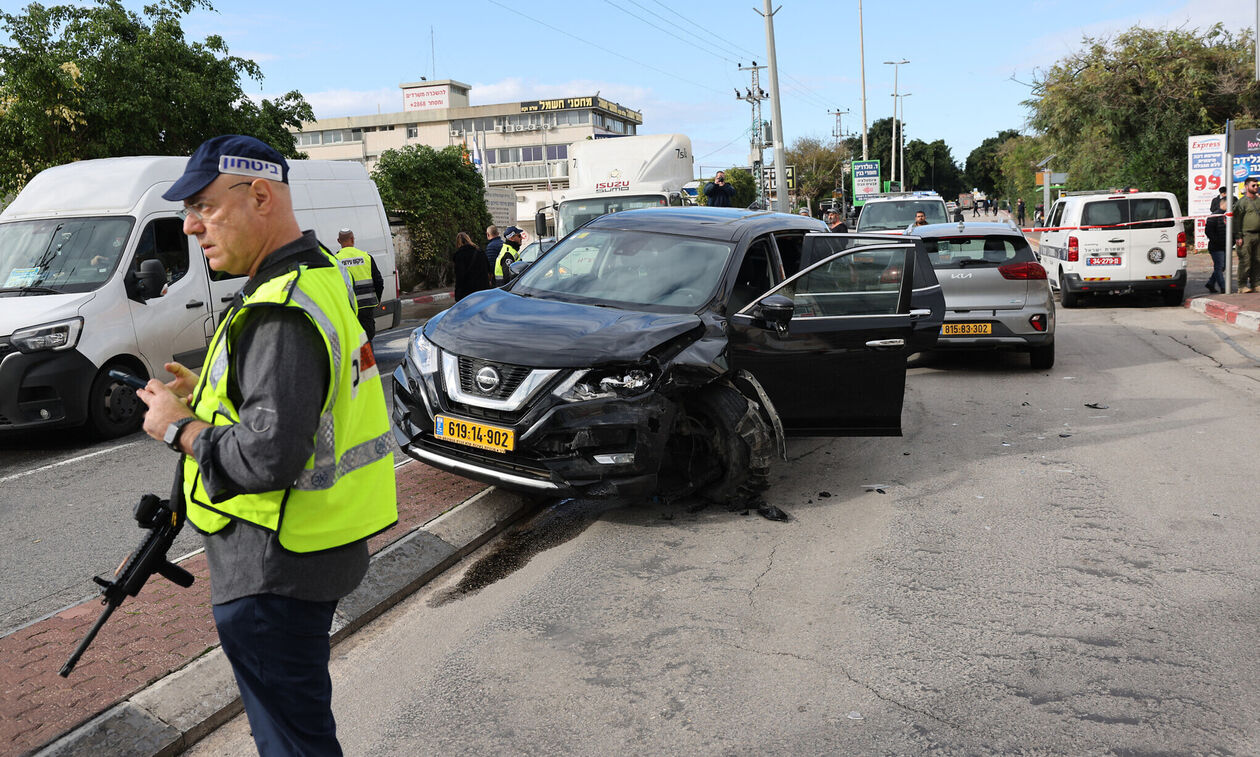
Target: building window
{"points": [[531, 154], [557, 152], [308, 139], [413, 131]]}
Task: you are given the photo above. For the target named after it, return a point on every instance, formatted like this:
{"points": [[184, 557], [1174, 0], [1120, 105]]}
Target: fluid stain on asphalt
{"points": [[548, 529]]}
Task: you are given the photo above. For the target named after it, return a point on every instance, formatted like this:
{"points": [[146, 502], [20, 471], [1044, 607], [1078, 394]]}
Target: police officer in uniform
{"points": [[368, 282], [285, 443], [1247, 235], [507, 255]]}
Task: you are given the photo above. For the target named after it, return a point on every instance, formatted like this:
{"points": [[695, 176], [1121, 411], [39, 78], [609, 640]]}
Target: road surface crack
{"points": [[757, 583]]}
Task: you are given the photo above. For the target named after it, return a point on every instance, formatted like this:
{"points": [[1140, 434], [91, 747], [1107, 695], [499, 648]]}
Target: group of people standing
{"points": [[477, 269]]}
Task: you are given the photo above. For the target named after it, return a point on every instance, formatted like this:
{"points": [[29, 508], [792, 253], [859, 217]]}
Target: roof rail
{"points": [[1114, 191]]}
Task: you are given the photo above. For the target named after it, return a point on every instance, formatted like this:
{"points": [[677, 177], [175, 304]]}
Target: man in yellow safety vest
{"points": [[368, 282]]}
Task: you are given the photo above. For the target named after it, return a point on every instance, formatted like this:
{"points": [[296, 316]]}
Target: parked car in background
{"points": [[532, 251], [1115, 243], [996, 293], [890, 213], [669, 351]]}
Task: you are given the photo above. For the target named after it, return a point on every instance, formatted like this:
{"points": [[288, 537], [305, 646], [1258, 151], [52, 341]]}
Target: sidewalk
{"points": [[155, 680]]}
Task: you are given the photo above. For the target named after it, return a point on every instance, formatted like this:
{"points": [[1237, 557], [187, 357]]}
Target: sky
{"points": [[678, 63]]}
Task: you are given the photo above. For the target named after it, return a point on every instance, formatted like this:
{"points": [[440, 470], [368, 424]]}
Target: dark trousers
{"points": [[1217, 279], [279, 652], [367, 319]]}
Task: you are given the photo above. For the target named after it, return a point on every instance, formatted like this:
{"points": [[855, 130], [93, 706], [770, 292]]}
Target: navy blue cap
{"points": [[231, 154], [509, 231]]}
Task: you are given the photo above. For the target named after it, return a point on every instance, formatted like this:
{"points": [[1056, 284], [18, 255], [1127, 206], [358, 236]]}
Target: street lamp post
{"points": [[902, 129], [896, 64], [862, 66]]}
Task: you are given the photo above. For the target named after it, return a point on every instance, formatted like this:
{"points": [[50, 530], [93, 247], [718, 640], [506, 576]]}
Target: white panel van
{"points": [[96, 273], [1115, 242]]}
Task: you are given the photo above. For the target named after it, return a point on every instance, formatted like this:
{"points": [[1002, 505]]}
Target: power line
{"points": [[712, 47], [604, 49]]}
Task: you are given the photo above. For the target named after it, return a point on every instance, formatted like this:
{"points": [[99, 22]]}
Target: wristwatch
{"points": [[171, 437]]}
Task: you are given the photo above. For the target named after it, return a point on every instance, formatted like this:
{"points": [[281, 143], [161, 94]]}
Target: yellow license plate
{"points": [[966, 329], [477, 435]]}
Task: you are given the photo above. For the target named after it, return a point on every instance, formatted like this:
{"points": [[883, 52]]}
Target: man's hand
{"points": [[185, 380], [164, 409]]}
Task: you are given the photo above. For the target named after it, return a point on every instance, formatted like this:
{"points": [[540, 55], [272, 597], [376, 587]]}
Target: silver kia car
{"points": [[996, 293]]}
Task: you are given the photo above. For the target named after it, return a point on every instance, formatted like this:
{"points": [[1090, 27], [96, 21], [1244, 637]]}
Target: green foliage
{"points": [[745, 188], [98, 81], [930, 165], [879, 147], [819, 169], [437, 194], [1118, 111], [1017, 160], [982, 170]]}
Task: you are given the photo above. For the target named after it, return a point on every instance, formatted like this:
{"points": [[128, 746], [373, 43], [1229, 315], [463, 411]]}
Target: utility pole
{"points": [[896, 64], [756, 148], [780, 152], [839, 134], [862, 66]]}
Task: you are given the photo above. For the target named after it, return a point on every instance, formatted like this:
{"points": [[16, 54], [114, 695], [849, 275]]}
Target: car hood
{"points": [[497, 325], [18, 311]]}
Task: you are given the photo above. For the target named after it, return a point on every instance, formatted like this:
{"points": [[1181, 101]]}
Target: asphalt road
{"points": [[1038, 576], [66, 502]]}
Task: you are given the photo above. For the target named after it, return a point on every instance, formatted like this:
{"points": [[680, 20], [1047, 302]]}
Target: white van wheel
{"points": [[113, 408]]}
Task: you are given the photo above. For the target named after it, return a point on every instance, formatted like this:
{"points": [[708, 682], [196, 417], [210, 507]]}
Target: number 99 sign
{"points": [[1206, 181]]}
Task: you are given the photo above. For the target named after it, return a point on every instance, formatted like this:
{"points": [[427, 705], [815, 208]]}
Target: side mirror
{"points": [[151, 279], [540, 224], [777, 310], [516, 268]]}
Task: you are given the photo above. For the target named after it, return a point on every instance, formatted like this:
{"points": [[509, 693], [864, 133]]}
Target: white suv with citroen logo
{"points": [[1115, 243]]}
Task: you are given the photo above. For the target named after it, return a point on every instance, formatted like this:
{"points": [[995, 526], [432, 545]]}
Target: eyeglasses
{"points": [[199, 210]]}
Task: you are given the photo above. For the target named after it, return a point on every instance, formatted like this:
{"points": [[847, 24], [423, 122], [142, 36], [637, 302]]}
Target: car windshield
{"points": [[532, 251], [574, 213], [632, 269], [960, 252], [898, 214], [51, 256]]}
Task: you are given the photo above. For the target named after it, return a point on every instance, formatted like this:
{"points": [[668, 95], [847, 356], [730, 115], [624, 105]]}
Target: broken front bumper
{"points": [[607, 448]]}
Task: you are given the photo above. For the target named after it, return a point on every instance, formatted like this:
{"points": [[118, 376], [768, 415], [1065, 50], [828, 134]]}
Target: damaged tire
{"points": [[721, 446]]}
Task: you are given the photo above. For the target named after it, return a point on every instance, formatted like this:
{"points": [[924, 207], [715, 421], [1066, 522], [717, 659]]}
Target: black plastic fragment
{"points": [[824, 494], [1096, 405], [770, 512]]}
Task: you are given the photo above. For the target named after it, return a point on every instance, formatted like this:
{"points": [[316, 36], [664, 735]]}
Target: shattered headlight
{"points": [[603, 383], [422, 353]]}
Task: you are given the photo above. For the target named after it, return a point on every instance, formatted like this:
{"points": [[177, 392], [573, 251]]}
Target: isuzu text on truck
{"points": [[623, 173]]}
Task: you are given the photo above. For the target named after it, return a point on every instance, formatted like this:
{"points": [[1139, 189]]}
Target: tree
{"points": [[930, 165], [819, 168], [98, 81], [745, 188], [879, 147], [1118, 111], [1017, 160], [437, 194], [982, 171]]}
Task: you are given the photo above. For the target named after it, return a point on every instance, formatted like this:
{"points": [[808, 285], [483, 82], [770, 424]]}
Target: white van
{"points": [[96, 273], [1115, 242]]}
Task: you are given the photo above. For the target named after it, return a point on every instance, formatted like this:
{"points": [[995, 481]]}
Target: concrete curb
{"points": [[1248, 320], [177, 711], [424, 299]]}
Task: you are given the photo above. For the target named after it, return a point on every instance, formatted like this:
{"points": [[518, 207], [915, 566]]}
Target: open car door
{"points": [[829, 344]]}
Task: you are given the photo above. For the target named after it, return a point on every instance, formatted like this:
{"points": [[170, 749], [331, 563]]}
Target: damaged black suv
{"points": [[669, 351]]}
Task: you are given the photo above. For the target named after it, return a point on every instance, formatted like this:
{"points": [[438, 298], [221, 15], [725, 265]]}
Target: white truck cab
{"points": [[96, 273], [1115, 242]]}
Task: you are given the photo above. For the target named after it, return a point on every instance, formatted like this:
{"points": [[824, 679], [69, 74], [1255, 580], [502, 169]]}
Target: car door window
{"points": [[1056, 215], [867, 281], [789, 249], [163, 240], [755, 276], [1105, 213], [1151, 213]]}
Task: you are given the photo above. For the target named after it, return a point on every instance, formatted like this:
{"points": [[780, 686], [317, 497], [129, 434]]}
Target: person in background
{"points": [[920, 218], [507, 254], [1247, 235], [1215, 231], [284, 442], [835, 222], [494, 243], [1020, 210], [472, 274], [369, 285], [718, 192]]}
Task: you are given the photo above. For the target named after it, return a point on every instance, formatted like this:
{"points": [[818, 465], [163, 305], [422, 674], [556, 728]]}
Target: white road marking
{"points": [[71, 460]]}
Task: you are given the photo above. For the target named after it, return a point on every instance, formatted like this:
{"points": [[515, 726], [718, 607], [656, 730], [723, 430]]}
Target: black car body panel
{"points": [[603, 398]]}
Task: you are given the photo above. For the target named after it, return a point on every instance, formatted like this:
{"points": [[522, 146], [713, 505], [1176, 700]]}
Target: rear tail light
{"points": [[1022, 271], [1074, 249], [1181, 244], [1038, 321]]}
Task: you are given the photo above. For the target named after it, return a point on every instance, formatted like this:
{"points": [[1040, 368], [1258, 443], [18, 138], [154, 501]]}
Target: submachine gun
{"points": [[161, 524]]}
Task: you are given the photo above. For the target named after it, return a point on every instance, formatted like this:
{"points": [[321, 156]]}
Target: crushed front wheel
{"points": [[721, 447]]}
